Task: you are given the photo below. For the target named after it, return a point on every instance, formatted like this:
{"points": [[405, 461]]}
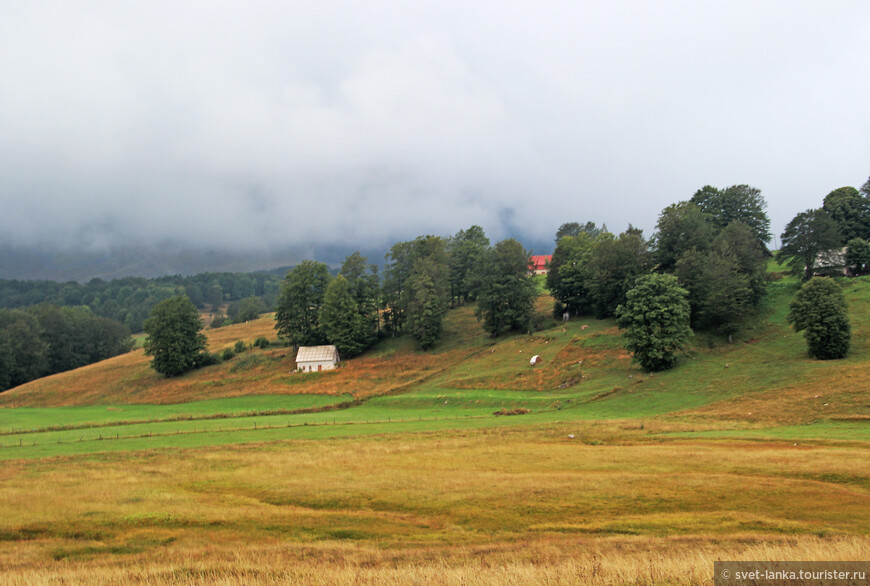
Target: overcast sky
{"points": [[265, 124]]}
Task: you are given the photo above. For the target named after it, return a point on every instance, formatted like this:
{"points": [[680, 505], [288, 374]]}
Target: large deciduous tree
{"points": [[681, 227], [506, 294], [615, 265], [819, 311], [851, 211], [174, 337], [858, 256], [297, 315], [805, 236], [655, 318], [738, 202], [570, 274]]}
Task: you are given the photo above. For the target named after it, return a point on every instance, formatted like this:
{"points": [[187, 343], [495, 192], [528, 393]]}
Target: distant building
{"points": [[540, 263], [831, 262], [316, 358]]}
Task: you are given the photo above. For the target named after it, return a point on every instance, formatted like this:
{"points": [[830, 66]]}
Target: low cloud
{"points": [[271, 125]]}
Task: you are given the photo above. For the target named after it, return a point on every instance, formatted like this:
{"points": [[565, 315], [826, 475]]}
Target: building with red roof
{"points": [[540, 263]]}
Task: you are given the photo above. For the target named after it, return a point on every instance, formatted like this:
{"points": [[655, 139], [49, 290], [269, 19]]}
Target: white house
{"points": [[316, 358]]}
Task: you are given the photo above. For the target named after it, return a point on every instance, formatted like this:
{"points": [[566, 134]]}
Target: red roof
{"points": [[539, 262]]}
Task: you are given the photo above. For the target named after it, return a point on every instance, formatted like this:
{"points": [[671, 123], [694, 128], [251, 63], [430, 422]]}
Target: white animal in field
{"points": [[535, 359]]}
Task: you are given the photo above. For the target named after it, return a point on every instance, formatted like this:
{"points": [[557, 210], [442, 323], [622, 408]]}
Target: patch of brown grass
{"points": [[511, 504]]}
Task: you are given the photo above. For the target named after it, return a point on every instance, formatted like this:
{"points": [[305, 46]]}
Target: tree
{"points": [[575, 229], [738, 241], [655, 318], [614, 266], [720, 295], [363, 285], [851, 211], [174, 338], [570, 274], [858, 256], [681, 227], [427, 301], [404, 261], [341, 321], [805, 236], [465, 249], [506, 295], [297, 315], [819, 310], [246, 310], [738, 202]]}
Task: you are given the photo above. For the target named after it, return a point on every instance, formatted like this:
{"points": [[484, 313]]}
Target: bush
{"points": [[261, 343], [218, 322], [228, 354], [819, 311], [208, 359], [240, 347]]}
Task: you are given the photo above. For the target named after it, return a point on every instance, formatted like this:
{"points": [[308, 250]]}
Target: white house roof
{"points": [[316, 353]]}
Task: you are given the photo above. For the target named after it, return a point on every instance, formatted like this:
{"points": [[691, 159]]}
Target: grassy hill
{"points": [[405, 466], [765, 380]]}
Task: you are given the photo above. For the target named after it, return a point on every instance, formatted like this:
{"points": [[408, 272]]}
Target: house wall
{"points": [[312, 366]]}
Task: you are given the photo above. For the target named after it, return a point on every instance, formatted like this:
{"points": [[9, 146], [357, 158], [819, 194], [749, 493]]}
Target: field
{"points": [[461, 465]]}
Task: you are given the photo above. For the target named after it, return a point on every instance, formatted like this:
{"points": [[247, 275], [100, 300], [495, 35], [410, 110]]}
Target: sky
{"points": [[258, 125]]}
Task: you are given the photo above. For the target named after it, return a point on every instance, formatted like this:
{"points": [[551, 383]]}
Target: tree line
{"points": [[422, 279], [130, 300], [45, 339]]}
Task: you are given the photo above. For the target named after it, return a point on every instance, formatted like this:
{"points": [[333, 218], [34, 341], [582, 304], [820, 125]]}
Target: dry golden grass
{"points": [[129, 379], [834, 390], [487, 506], [603, 561]]}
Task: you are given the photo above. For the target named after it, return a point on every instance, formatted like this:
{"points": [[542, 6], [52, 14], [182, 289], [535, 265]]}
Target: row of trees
{"points": [[46, 339], [842, 221], [714, 247], [422, 279], [713, 243], [130, 300]]}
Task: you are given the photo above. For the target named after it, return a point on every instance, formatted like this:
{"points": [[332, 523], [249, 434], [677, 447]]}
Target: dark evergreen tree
{"points": [[465, 250], [364, 286], [427, 289], [341, 321], [506, 294]]}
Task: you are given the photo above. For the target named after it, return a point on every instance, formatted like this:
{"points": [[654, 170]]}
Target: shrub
{"points": [[261, 343], [228, 354], [819, 311], [240, 347]]}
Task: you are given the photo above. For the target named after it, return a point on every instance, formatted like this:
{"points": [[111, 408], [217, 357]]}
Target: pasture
{"points": [[459, 465]]}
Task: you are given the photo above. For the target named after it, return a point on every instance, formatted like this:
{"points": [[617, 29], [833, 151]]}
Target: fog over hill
{"points": [[148, 261], [271, 130]]}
